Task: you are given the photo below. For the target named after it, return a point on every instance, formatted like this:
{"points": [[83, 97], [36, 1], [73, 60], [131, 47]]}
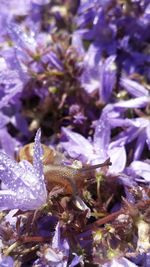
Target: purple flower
{"points": [[97, 151], [31, 51], [100, 75], [139, 130], [76, 113], [101, 32], [25, 186], [134, 129], [57, 254]]}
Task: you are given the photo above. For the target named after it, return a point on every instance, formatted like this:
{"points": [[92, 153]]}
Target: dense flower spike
{"points": [[79, 71]]}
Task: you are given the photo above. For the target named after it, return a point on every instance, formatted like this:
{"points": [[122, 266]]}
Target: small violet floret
{"points": [[24, 186]]}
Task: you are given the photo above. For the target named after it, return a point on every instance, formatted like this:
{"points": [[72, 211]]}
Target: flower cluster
{"points": [[77, 72]]}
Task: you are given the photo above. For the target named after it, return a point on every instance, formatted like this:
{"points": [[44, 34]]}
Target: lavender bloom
{"points": [[101, 75], [102, 147], [138, 128], [97, 151], [31, 52], [113, 30], [24, 46], [102, 33], [25, 186], [40, 69], [57, 254]]}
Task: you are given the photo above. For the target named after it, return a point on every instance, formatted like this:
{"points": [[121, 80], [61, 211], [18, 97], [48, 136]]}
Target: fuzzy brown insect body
{"points": [[70, 179]]}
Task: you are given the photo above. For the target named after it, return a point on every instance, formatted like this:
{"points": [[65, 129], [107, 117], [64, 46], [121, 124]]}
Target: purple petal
{"points": [[15, 8], [133, 87], [126, 137], [141, 169], [21, 38], [6, 261], [56, 242], [8, 77], [11, 218], [127, 180], [20, 123], [118, 122], [46, 225], [118, 159], [3, 120], [10, 171], [28, 175], [140, 143], [8, 200], [107, 78], [89, 80], [77, 146], [148, 135], [54, 257], [25, 183], [7, 98], [37, 163], [90, 77], [14, 63], [77, 42], [11, 86], [111, 112], [38, 153], [122, 262], [41, 2], [76, 260], [125, 122], [138, 102], [53, 61], [8, 143], [102, 137]]}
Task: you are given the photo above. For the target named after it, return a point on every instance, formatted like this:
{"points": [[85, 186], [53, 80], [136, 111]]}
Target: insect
{"points": [[56, 174]]}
